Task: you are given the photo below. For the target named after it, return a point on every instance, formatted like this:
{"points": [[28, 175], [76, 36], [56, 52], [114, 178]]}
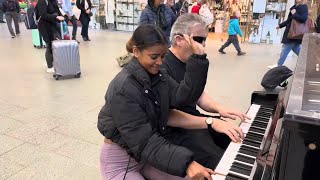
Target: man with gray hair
{"points": [[208, 145]]}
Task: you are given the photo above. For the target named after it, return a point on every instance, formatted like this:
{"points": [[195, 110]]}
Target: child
{"points": [[234, 29]]}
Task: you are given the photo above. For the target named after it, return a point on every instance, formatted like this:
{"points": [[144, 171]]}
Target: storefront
{"points": [[258, 20]]}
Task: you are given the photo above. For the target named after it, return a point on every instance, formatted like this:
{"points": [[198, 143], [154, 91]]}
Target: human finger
{"points": [[240, 132], [233, 139], [210, 171], [235, 134], [207, 175]]}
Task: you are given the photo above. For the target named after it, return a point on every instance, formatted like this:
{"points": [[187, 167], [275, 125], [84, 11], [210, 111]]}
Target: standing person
{"points": [[233, 31], [159, 14], [135, 117], [298, 12], [11, 9], [69, 16], [49, 16], [85, 7], [181, 7], [1, 12], [317, 24]]}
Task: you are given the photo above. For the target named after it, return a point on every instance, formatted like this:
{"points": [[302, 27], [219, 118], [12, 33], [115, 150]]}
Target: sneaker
{"points": [[17, 34], [222, 52], [241, 53], [272, 66], [50, 70], [13, 36], [2, 22]]}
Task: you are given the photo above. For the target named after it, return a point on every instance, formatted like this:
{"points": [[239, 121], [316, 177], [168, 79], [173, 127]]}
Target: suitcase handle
{"points": [[61, 30]]}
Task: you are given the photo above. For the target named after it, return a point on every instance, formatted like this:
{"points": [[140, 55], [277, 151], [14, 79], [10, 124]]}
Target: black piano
{"points": [[282, 141]]}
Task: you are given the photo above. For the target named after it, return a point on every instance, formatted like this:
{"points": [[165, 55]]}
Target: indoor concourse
{"points": [[48, 127]]}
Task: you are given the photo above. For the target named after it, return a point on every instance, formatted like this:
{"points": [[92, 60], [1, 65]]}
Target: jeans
{"points": [[233, 39], [74, 24], [15, 17], [286, 48]]}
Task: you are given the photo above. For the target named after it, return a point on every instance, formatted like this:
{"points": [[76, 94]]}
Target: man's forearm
{"points": [[186, 121], [206, 103]]}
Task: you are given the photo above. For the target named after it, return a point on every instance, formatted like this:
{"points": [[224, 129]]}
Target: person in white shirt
{"points": [[69, 16]]}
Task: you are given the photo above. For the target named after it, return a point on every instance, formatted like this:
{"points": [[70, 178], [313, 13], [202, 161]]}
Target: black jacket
{"points": [[81, 5], [48, 26], [317, 24], [301, 16], [5, 3], [177, 69], [137, 108]]}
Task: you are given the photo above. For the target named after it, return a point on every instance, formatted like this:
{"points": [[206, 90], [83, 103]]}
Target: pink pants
{"points": [[114, 161]]}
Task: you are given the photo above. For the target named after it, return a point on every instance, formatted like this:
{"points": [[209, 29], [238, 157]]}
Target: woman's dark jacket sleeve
{"points": [[143, 141], [42, 8]]}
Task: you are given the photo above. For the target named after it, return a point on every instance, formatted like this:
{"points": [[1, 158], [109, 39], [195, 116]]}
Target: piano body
{"points": [[282, 141]]}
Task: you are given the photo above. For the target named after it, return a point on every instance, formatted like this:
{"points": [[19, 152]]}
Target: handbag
{"points": [[298, 29]]}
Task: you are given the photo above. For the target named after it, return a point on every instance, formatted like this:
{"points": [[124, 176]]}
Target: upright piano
{"points": [[282, 141]]}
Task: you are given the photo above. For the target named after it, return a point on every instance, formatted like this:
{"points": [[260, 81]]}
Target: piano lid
{"points": [[304, 98]]}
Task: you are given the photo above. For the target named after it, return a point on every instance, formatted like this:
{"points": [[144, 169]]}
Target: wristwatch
{"points": [[209, 121]]}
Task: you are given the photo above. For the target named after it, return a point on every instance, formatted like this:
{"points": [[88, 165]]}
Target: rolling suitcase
{"points": [[37, 40], [66, 58]]}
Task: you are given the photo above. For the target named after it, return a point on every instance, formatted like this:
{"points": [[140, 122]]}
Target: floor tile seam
{"points": [[14, 147], [18, 171]]}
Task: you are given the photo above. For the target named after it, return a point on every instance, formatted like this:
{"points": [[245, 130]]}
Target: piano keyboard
{"points": [[238, 160]]}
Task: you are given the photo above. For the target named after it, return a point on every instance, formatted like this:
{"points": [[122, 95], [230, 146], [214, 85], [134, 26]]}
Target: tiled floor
{"points": [[48, 128]]}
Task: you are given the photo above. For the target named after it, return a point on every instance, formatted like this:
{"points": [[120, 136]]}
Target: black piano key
{"points": [[247, 148], [231, 176], [245, 159], [245, 169], [264, 114], [252, 138], [255, 137], [262, 118], [261, 131], [259, 124], [240, 170], [251, 143], [255, 134], [250, 153], [262, 121]]}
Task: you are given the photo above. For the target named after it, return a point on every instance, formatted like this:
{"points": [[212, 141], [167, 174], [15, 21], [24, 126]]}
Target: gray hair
{"points": [[184, 24]]}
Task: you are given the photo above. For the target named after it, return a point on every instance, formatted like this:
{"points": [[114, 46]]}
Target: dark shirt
{"points": [[176, 69]]}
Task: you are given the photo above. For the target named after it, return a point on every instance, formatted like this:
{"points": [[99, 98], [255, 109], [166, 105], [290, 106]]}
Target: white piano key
{"points": [[245, 127], [218, 177], [228, 158], [239, 174]]}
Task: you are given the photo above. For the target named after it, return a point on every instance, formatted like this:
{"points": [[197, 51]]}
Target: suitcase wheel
{"points": [[57, 77], [78, 75]]}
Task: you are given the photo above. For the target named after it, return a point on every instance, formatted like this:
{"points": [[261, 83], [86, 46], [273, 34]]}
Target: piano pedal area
{"points": [[239, 159]]}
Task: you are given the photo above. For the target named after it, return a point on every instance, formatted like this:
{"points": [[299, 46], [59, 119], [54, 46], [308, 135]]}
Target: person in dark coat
{"points": [[11, 9], [1, 12], [298, 12], [85, 7], [317, 24], [135, 117], [49, 17], [159, 14]]}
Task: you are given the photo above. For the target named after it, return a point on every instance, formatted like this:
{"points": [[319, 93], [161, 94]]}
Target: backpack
{"points": [[29, 20], [11, 5], [276, 77]]}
